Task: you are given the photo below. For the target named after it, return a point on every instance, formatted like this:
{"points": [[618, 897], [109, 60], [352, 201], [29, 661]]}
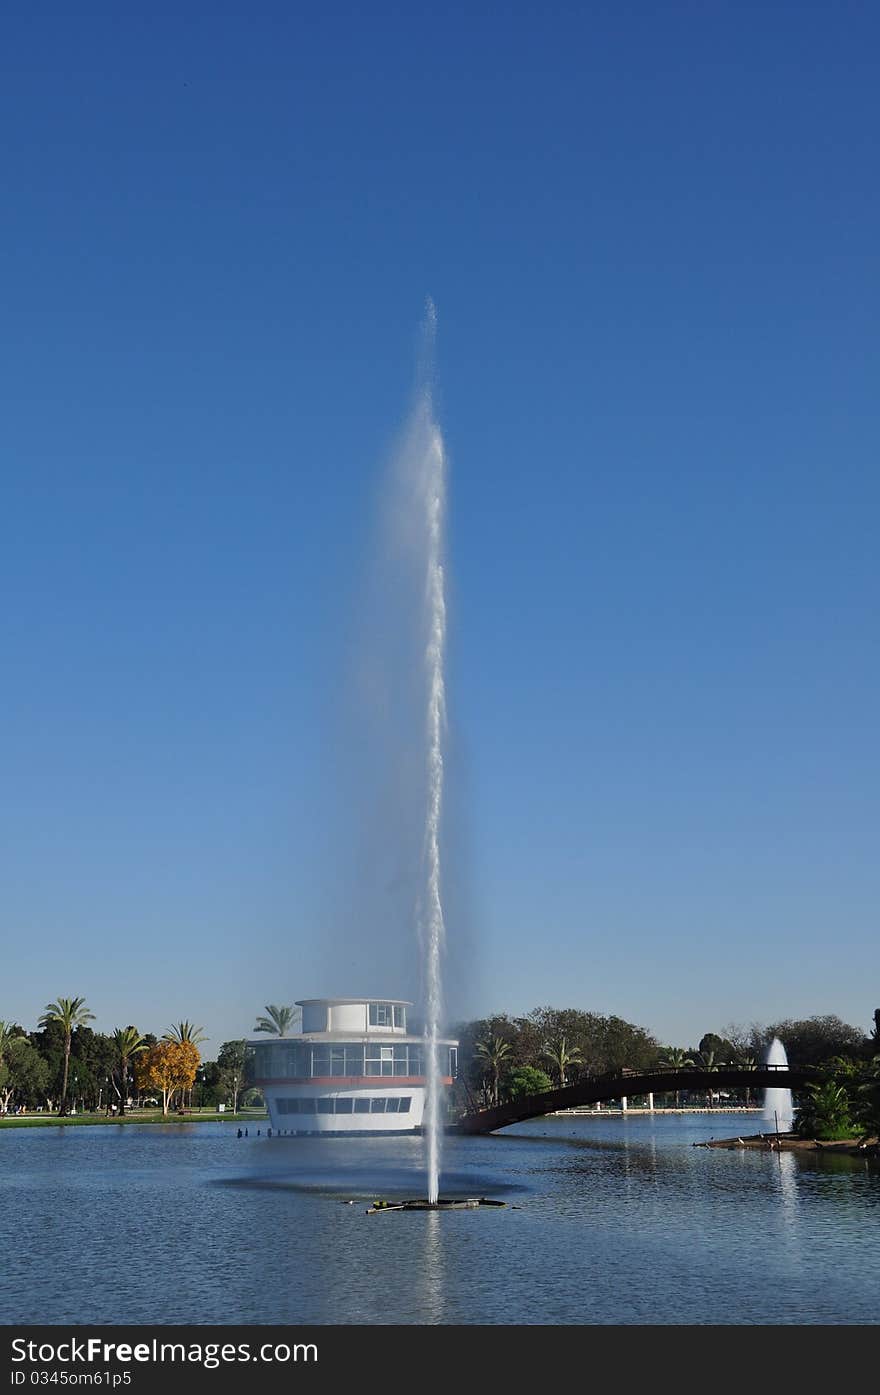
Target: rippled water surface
{"points": [[609, 1220]]}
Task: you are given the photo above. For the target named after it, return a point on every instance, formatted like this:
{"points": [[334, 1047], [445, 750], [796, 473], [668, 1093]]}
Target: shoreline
{"points": [[588, 1112], [68, 1121], [787, 1143]]}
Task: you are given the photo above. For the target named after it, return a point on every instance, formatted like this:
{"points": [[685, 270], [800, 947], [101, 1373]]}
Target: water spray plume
{"points": [[778, 1106], [432, 927]]}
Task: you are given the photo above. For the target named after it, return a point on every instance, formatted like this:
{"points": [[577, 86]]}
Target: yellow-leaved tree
{"points": [[169, 1066]]}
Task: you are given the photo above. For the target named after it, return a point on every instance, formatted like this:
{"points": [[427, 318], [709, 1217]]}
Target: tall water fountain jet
{"points": [[778, 1108], [433, 469]]}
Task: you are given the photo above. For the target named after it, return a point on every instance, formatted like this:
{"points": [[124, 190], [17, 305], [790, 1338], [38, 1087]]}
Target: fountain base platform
{"points": [[442, 1204]]}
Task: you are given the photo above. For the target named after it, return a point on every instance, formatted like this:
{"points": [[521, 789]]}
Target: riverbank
{"points": [[69, 1121]]}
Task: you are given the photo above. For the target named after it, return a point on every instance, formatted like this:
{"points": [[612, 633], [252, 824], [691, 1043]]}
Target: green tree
{"points": [[825, 1112], [706, 1061], [626, 1046], [277, 1022], [606, 1044], [23, 1075], [68, 1013], [493, 1052], [526, 1080], [181, 1032], [722, 1049], [9, 1032], [867, 1101], [127, 1042], [92, 1060], [810, 1041], [561, 1056], [675, 1058], [232, 1064], [746, 1061]]}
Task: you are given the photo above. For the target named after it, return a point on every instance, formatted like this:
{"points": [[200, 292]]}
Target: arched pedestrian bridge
{"points": [[598, 1089]]}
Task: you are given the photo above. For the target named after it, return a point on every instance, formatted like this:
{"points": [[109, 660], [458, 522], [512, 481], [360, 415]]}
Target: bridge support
{"points": [[651, 1101], [624, 1103]]}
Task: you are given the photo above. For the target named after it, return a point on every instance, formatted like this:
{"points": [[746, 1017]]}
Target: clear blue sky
{"points": [[651, 232]]}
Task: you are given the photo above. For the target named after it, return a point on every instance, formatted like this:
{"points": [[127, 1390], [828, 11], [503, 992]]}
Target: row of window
{"points": [[281, 1060], [358, 1105], [387, 1015]]}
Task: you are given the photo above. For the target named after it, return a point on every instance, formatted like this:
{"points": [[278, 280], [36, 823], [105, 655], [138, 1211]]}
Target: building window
{"points": [[400, 1017], [381, 1014], [330, 1104]]}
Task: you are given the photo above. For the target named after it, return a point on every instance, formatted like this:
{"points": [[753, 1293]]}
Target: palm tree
{"points": [[185, 1031], [70, 1013], [562, 1057], [277, 1022], [747, 1061], [706, 1061], [128, 1042], [825, 1113], [867, 1100], [181, 1032], [8, 1032], [676, 1058], [494, 1051]]}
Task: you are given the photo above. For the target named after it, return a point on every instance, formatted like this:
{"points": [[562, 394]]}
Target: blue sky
{"points": [[651, 235]]}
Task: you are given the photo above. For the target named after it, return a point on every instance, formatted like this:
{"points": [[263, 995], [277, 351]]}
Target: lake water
{"points": [[609, 1220]]}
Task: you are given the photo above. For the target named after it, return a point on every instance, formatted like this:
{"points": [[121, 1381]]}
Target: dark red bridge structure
{"points": [[596, 1089]]}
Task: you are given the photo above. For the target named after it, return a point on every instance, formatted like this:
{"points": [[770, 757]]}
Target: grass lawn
{"points": [[142, 1116]]}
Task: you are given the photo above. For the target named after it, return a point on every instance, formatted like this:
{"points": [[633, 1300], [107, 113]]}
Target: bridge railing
{"points": [[685, 1070]]}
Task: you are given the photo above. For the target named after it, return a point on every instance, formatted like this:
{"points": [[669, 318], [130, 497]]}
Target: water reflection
{"points": [[433, 1266], [614, 1223]]}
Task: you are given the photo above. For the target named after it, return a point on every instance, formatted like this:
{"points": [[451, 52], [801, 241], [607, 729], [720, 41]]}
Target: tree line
{"points": [[64, 1065], [503, 1058]]}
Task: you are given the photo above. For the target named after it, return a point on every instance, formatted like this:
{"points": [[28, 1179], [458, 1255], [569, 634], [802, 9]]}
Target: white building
{"points": [[352, 1069]]}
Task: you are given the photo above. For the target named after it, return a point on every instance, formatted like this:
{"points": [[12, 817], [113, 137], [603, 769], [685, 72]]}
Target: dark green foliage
{"points": [[525, 1080], [50, 1044], [824, 1112], [24, 1074], [723, 1051], [812, 1040], [867, 1100], [233, 1060], [844, 1102], [603, 1045]]}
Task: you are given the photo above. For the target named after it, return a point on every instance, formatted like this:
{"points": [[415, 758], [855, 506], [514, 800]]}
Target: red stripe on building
{"points": [[349, 1081]]}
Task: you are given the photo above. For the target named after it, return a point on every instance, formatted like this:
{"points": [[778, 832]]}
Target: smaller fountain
{"points": [[778, 1108], [469, 1203]]}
